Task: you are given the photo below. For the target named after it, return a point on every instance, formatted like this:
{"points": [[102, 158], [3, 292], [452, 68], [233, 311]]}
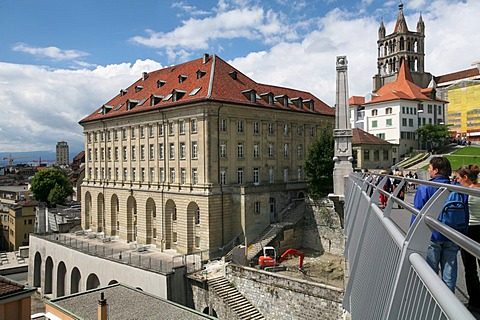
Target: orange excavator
{"points": [[269, 258]]}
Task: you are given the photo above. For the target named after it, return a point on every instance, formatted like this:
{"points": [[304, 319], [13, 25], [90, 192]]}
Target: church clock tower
{"points": [[402, 44]]}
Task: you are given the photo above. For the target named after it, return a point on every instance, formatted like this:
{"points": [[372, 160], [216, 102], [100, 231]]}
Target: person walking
{"points": [[441, 251], [467, 176]]}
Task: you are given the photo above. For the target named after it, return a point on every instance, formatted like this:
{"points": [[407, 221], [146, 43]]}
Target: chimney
{"points": [[144, 76], [102, 311], [206, 57]]}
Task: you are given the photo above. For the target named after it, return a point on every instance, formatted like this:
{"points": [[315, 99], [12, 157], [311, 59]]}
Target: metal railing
{"points": [[140, 256], [389, 277]]}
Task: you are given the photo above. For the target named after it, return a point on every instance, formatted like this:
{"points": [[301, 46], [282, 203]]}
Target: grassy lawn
{"points": [[463, 156]]}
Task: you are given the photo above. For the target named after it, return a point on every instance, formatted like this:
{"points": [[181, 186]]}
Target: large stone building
{"points": [[192, 156], [401, 44], [462, 91]]}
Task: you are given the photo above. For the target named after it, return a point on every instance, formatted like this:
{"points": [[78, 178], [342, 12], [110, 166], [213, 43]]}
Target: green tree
{"points": [[319, 164], [51, 186], [433, 135]]}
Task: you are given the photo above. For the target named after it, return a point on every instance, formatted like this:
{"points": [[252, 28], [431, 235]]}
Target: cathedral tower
{"points": [[402, 44]]}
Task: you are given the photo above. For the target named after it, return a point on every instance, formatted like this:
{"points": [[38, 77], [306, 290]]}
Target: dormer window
{"points": [[177, 94], [155, 99], [297, 102], [182, 78], [131, 104], [268, 98], [138, 88], [194, 91], [250, 94], [123, 92], [233, 74], [283, 99], [105, 109], [309, 104], [160, 83], [201, 73]]}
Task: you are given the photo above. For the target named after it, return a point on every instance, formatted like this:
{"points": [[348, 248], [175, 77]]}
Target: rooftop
{"points": [[124, 302], [206, 79]]}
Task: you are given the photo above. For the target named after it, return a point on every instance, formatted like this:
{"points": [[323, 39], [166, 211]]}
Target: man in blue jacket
{"points": [[441, 250]]}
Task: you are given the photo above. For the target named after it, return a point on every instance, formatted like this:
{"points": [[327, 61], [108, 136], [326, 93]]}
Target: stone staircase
{"points": [[234, 299], [292, 214]]}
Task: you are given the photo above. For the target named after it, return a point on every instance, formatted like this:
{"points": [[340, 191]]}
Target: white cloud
{"points": [[41, 106], [50, 52], [251, 23]]}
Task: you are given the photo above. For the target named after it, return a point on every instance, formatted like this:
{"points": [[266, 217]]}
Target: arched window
{"points": [[374, 112], [388, 111], [197, 216]]}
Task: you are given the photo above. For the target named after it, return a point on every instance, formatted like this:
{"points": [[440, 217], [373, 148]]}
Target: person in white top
{"points": [[467, 176]]}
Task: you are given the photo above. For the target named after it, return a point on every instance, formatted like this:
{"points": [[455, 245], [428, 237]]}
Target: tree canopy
{"points": [[435, 134], [51, 186], [319, 164]]}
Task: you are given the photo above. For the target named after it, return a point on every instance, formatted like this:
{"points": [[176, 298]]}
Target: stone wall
{"points": [[322, 228], [280, 297]]}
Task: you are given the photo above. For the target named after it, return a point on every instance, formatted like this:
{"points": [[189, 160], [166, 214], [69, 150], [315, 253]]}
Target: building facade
{"points": [[370, 152], [462, 91], [190, 157], [401, 44], [62, 154], [21, 222], [396, 111]]}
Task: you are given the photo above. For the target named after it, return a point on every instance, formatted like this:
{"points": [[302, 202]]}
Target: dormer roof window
{"points": [[194, 91], [131, 103], [160, 83], [123, 92], [309, 104], [283, 99], [138, 88], [297, 102], [155, 99], [105, 109], [250, 94], [268, 98], [177, 94], [182, 78], [233, 75], [201, 73]]}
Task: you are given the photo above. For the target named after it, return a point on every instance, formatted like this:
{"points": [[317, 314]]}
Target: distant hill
{"points": [[31, 157]]}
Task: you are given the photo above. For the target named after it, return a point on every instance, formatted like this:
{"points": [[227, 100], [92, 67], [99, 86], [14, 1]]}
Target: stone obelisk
{"points": [[342, 133]]}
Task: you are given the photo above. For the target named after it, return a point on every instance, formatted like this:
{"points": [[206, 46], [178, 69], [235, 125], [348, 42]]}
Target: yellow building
{"points": [[15, 300], [462, 91], [194, 156], [21, 222]]}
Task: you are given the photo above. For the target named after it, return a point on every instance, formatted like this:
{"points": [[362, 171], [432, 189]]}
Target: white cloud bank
{"points": [[41, 106]]}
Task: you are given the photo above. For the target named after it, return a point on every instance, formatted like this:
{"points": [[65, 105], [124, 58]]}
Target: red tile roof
{"points": [[214, 79], [459, 75], [361, 137], [356, 100], [403, 88], [8, 287]]}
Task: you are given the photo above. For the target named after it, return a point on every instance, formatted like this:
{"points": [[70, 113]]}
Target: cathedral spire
{"points": [[420, 25], [381, 30], [401, 25]]}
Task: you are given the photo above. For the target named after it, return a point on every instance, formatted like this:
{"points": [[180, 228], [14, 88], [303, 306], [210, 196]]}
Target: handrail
{"points": [[388, 261]]}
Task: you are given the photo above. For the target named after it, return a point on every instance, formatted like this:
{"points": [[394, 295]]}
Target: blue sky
{"points": [[60, 60]]}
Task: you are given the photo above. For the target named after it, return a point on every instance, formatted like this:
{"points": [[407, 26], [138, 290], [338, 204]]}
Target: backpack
{"points": [[454, 212]]}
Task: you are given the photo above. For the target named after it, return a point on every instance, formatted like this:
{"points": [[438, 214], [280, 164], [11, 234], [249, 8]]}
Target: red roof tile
{"points": [[361, 137], [403, 88], [356, 100], [459, 75], [214, 79], [8, 287]]}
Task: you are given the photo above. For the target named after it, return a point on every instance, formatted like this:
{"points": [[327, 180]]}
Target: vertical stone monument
{"points": [[342, 135]]}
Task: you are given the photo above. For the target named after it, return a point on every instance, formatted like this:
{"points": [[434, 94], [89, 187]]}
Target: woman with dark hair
{"points": [[467, 176]]}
